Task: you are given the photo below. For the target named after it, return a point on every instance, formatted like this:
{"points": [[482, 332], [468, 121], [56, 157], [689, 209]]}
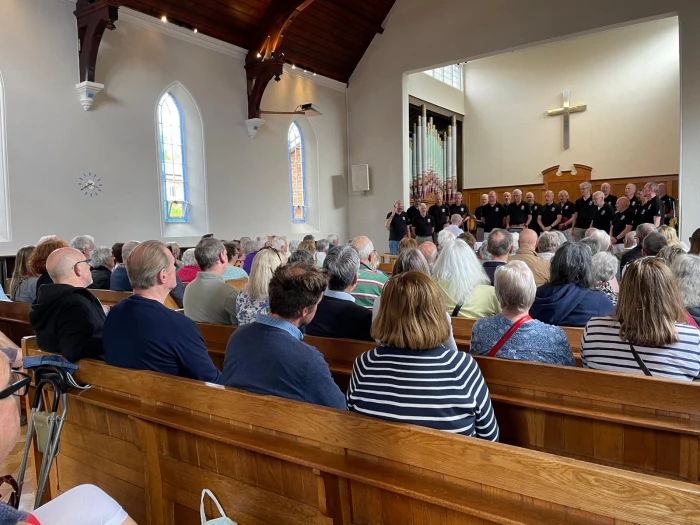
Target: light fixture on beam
{"points": [[164, 19], [293, 66], [195, 30], [308, 110]]}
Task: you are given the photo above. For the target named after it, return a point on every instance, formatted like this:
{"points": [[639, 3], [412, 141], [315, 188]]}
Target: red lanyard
{"points": [[517, 324]]}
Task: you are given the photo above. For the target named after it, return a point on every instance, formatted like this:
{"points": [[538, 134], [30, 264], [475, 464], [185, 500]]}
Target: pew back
{"points": [[153, 442], [110, 297], [238, 284], [14, 320]]}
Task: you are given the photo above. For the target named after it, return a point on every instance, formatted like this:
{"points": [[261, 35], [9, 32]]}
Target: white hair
{"points": [[548, 242], [364, 247], [686, 268], [630, 239], [261, 239], [603, 240], [333, 238], [188, 258], [515, 286], [47, 238], [294, 245], [82, 242], [278, 242], [459, 271], [605, 266], [444, 237], [585, 185]]}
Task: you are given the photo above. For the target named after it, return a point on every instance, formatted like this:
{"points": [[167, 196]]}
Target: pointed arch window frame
{"points": [[294, 126], [170, 207]]}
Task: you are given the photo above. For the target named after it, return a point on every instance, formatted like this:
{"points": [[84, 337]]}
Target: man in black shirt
{"points": [[631, 194], [651, 211], [506, 199], [622, 224], [440, 213], [493, 213], [567, 212], [397, 224], [413, 211], [535, 208], [479, 218], [609, 199], [460, 209], [583, 212], [518, 213], [669, 204], [550, 213], [603, 215], [423, 225]]}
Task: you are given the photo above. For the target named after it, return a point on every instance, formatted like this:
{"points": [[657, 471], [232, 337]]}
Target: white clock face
{"points": [[90, 184]]}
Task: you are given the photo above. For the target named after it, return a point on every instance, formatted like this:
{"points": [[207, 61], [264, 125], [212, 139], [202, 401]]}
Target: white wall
{"points": [[628, 77], [52, 141], [431, 90], [471, 29]]}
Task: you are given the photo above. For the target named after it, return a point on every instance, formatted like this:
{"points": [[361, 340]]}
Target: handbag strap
{"points": [[458, 307], [202, 514], [504, 338], [641, 364]]}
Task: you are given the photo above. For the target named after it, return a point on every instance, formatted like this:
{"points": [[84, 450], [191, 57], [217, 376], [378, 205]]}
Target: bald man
{"points": [[527, 243], [430, 252], [66, 318]]}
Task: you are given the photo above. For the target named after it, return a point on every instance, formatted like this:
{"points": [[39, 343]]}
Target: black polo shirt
{"points": [[567, 210], [669, 205], [603, 217], [441, 214], [460, 210], [585, 210], [397, 226], [423, 225], [479, 214], [518, 212], [412, 213], [612, 200], [620, 222], [535, 209], [493, 216], [549, 213], [648, 211]]}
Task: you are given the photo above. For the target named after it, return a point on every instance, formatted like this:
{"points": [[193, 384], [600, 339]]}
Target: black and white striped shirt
{"points": [[439, 388], [602, 349]]}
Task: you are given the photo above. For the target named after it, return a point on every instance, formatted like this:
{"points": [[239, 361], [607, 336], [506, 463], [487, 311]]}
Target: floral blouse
{"points": [[607, 290], [247, 309]]}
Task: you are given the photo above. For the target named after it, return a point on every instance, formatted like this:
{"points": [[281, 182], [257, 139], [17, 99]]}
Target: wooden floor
{"points": [[11, 466]]}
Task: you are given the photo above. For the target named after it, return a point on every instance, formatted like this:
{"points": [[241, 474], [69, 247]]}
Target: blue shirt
{"points": [[233, 272], [269, 357], [533, 341], [119, 280], [143, 334]]}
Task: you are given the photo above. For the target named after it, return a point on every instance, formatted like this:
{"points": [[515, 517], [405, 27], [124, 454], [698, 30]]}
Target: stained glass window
{"points": [[297, 176], [172, 159]]}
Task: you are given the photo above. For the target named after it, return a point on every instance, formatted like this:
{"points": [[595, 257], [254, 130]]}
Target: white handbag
{"points": [[223, 520]]}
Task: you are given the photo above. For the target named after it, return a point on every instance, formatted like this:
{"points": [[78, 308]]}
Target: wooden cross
{"points": [[566, 111]]}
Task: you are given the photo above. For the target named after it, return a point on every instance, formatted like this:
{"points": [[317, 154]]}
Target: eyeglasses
{"points": [[79, 262], [19, 384]]}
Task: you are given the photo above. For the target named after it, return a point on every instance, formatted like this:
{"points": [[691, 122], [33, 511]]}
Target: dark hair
{"points": [[232, 249], [695, 243], [294, 287], [572, 264], [308, 238], [468, 238], [653, 243], [117, 252], [301, 256]]}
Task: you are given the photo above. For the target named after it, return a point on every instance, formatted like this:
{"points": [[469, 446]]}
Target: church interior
{"points": [[383, 136]]}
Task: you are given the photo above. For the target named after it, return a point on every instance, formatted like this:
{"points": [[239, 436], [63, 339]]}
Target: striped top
{"points": [[369, 286], [439, 388], [602, 349]]}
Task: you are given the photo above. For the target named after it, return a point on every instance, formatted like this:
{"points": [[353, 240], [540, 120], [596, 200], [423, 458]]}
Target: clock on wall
{"points": [[90, 184]]}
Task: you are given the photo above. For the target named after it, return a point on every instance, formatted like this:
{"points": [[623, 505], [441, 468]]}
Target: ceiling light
{"points": [[314, 73], [305, 71], [164, 19], [259, 55], [293, 66], [195, 30]]}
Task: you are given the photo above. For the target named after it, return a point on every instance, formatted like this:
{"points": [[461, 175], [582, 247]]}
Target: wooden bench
{"points": [[14, 320], [238, 284], [110, 297], [153, 442]]}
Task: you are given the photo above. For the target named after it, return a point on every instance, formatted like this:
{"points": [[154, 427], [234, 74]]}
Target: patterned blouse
{"points": [[247, 309], [534, 341], [607, 290]]}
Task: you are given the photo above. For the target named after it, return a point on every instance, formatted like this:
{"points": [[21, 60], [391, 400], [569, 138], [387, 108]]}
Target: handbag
{"points": [[641, 364], [223, 520]]}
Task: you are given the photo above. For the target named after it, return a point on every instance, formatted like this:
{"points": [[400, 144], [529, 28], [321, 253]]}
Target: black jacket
{"points": [[340, 318], [695, 314], [100, 278], [631, 255], [67, 321]]}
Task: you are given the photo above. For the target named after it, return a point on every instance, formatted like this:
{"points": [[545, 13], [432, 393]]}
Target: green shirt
{"points": [[369, 286]]}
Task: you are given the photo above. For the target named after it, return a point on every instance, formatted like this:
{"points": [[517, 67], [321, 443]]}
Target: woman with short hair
{"points": [[567, 299], [190, 268], [686, 269], [647, 334], [253, 299], [37, 260], [102, 262], [233, 249], [513, 334], [428, 384], [547, 244], [605, 267], [406, 243], [23, 283], [465, 287]]}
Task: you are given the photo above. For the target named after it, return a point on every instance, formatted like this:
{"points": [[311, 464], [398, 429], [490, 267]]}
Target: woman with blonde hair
{"points": [[465, 287], [406, 244], [429, 385], [648, 334], [670, 234], [23, 284], [253, 299]]}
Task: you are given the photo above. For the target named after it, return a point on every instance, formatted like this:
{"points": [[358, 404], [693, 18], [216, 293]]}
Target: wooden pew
{"points": [[238, 284], [153, 442], [110, 297], [14, 320]]}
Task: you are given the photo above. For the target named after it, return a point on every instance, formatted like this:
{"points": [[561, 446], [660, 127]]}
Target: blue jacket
{"points": [[569, 305], [119, 280]]}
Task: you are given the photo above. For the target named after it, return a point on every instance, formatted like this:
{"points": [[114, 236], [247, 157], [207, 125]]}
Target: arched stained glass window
{"points": [[172, 158], [297, 176]]}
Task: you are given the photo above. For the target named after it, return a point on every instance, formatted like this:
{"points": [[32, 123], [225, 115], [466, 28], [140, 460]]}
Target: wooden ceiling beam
{"points": [[346, 8], [93, 17]]}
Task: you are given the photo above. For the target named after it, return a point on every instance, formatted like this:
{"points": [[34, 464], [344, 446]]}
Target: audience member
{"points": [[141, 333], [333, 239], [686, 269], [233, 251], [653, 244], [269, 357], [648, 334], [37, 260], [261, 241], [66, 318], [513, 334], [253, 298], [500, 246], [605, 267], [190, 268], [337, 314], [407, 243], [695, 243], [370, 281], [444, 237], [411, 328], [567, 300], [309, 238], [208, 299], [175, 250], [84, 244], [279, 243], [293, 246], [119, 280], [670, 253], [430, 252], [635, 253], [302, 256], [455, 225], [526, 253], [469, 239], [322, 246], [248, 248], [547, 244], [630, 241], [463, 283], [102, 262], [23, 283], [117, 252]]}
